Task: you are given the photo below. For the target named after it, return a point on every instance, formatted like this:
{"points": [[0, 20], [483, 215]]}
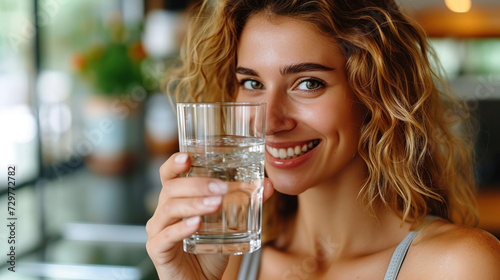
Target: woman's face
{"points": [[313, 118]]}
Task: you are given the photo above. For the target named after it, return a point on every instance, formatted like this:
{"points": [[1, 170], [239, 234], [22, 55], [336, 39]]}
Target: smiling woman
{"points": [[362, 147]]}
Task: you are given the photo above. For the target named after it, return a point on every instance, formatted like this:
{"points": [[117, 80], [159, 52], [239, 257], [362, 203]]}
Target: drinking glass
{"points": [[225, 140]]}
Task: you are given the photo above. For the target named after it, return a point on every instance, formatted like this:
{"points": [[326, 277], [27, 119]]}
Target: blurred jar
{"points": [[111, 135]]}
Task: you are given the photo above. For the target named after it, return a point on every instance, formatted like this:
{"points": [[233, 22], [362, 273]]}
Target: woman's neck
{"points": [[341, 227]]}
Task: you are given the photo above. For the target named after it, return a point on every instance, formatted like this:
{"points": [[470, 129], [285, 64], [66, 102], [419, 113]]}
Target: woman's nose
{"points": [[279, 117]]}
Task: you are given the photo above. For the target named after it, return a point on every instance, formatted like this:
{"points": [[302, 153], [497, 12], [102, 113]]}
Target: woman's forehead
{"points": [[285, 37]]}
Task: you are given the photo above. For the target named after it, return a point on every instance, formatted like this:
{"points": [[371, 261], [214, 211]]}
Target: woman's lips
{"points": [[285, 155]]}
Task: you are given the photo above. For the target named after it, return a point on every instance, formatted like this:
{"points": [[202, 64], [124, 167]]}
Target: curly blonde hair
{"points": [[415, 140]]}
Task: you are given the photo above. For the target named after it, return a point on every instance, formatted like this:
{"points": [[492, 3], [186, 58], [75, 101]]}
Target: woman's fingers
{"points": [[194, 186], [197, 186], [163, 242], [268, 189], [174, 166], [172, 211]]}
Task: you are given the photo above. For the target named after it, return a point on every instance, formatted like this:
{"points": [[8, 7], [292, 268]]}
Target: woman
{"points": [[388, 160]]}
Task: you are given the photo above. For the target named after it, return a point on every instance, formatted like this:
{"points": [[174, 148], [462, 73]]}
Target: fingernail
{"points": [[212, 200], [181, 158], [193, 221], [217, 187]]}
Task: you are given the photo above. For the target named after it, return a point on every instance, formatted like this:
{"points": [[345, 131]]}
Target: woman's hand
{"points": [[185, 198]]}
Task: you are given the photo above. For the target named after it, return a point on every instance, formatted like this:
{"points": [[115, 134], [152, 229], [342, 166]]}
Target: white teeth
{"points": [[291, 152], [275, 152], [297, 150], [282, 154]]}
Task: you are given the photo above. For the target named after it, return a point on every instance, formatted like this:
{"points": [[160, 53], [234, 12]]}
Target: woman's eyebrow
{"points": [[246, 71], [289, 69], [303, 67]]}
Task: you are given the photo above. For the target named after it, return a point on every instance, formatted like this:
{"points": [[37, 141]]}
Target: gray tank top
{"points": [[249, 268]]}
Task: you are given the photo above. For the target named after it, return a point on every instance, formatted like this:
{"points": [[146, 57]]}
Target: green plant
{"points": [[112, 67]]}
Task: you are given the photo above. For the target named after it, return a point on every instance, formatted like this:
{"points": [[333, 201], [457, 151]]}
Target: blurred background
{"points": [[85, 123]]}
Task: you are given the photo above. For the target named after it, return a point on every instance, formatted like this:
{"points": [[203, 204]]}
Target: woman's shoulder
{"points": [[449, 251]]}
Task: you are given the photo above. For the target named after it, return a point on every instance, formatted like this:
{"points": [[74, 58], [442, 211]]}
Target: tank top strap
{"points": [[249, 268], [398, 257]]}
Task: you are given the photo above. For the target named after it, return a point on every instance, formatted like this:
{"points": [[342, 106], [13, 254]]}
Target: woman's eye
{"points": [[310, 84], [252, 84]]}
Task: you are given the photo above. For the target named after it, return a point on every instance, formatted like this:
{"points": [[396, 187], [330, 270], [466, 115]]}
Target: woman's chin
{"points": [[287, 188]]}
